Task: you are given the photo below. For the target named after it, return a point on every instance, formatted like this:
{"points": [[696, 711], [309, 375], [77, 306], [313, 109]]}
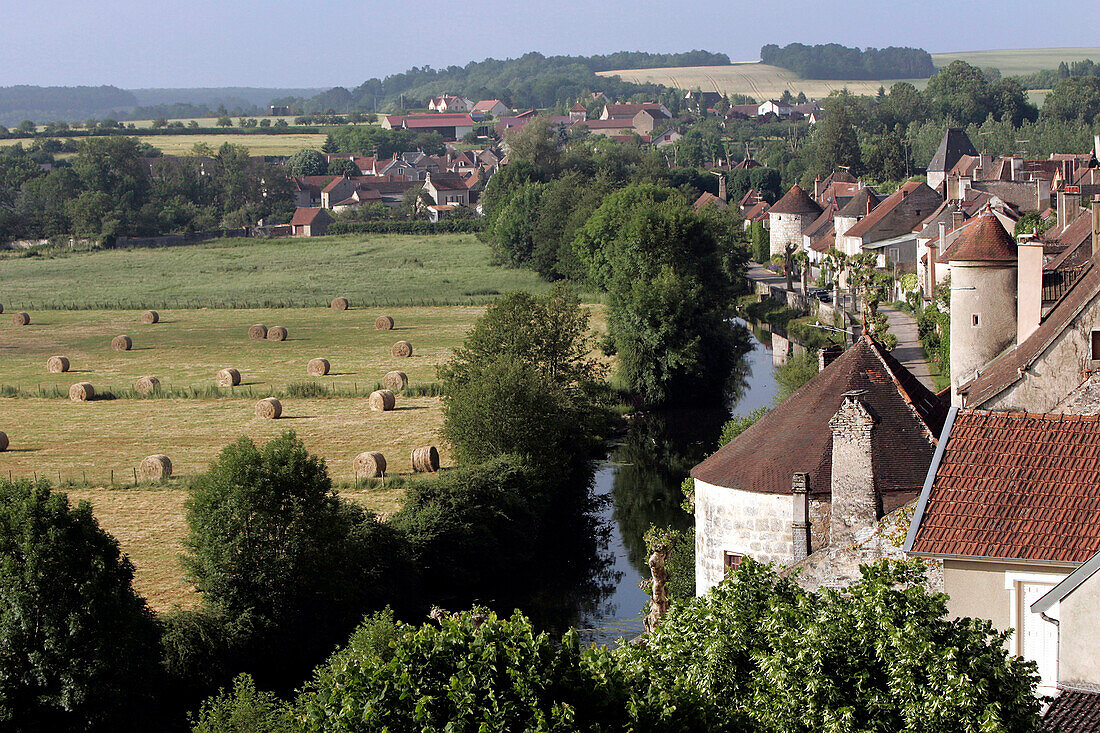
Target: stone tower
{"points": [[983, 298], [789, 218]]}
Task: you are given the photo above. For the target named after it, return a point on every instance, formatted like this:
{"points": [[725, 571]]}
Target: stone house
{"points": [[1011, 507], [890, 224], [821, 469], [627, 112], [311, 221], [447, 188], [954, 145], [647, 120], [491, 107], [788, 218]]}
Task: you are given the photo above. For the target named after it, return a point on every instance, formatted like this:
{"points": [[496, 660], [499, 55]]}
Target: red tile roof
{"points": [[758, 211], [486, 105], [795, 436], [1015, 486], [709, 199], [892, 203], [1073, 711], [438, 120], [796, 201], [307, 215], [985, 241]]}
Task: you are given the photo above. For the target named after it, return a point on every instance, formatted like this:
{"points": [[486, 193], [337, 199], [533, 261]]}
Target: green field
{"points": [[762, 82], [369, 270], [257, 144]]}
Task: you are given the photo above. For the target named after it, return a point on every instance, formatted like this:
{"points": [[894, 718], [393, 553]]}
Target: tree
{"points": [[535, 144], [836, 143], [225, 121], [77, 645], [1074, 98], [289, 564], [307, 162], [160, 122], [342, 167], [244, 709]]}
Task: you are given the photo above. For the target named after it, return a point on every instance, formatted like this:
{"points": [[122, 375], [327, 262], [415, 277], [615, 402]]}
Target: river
{"points": [[640, 485]]}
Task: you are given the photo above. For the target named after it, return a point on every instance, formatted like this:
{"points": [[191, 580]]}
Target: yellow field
{"points": [[1019, 61], [257, 144], [759, 81]]}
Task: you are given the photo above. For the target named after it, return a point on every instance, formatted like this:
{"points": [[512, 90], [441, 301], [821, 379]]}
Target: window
{"points": [[1095, 345], [731, 561], [975, 320]]}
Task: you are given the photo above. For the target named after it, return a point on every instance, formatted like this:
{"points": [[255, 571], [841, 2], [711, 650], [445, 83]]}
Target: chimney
{"points": [[817, 188], [722, 190], [1095, 227], [854, 504], [800, 515], [958, 217], [1029, 286], [827, 355]]}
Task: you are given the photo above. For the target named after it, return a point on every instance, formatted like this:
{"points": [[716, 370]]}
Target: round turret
{"points": [[789, 217]]}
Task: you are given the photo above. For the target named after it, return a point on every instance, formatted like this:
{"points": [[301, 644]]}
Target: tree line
{"points": [[833, 61]]}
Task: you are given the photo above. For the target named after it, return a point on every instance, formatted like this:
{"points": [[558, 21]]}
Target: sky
{"points": [[215, 43]]}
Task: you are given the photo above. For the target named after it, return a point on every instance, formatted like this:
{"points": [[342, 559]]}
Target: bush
{"points": [[244, 710], [446, 226]]}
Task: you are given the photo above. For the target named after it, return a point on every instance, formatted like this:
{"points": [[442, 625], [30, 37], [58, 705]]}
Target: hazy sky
{"points": [[201, 43]]}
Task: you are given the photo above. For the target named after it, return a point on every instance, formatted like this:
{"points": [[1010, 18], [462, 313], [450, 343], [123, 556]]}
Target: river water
{"points": [[640, 484]]}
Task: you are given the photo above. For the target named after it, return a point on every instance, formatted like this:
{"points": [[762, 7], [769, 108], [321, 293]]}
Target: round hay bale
{"points": [[426, 459], [383, 323], [269, 408], [395, 381], [57, 364], [155, 468], [3, 441], [122, 343], [82, 392], [147, 385], [276, 333], [257, 331], [228, 378], [370, 464], [317, 367], [402, 349], [21, 319], [382, 400], [150, 317], [340, 304]]}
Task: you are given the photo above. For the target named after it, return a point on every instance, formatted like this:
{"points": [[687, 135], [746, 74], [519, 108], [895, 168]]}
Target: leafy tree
{"points": [[962, 93], [537, 145], [77, 645], [342, 167], [244, 709], [225, 121], [160, 122], [836, 142], [798, 370], [307, 162], [1074, 98], [287, 562], [904, 105], [886, 158], [26, 128], [265, 122], [281, 124]]}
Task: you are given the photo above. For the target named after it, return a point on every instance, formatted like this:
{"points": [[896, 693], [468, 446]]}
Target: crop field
{"points": [[1019, 61], [257, 144], [369, 270]]}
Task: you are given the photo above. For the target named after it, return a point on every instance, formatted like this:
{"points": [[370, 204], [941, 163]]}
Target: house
{"points": [[789, 217], [782, 110], [448, 103], [608, 128], [668, 137], [629, 111], [647, 120], [578, 113], [447, 188], [310, 221], [887, 230], [450, 126], [702, 101], [1011, 507], [820, 469], [491, 107], [338, 189], [437, 213], [709, 199], [307, 189], [954, 145]]}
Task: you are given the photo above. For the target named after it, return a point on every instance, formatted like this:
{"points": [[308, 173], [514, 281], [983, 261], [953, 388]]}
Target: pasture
{"points": [[370, 270]]}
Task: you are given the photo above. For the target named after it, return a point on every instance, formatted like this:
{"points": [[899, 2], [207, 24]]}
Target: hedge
{"points": [[447, 226]]}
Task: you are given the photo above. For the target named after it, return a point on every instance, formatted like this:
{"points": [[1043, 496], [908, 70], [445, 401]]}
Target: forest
{"points": [[833, 61]]}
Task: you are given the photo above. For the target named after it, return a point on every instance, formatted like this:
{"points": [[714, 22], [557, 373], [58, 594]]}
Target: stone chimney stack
{"points": [[723, 191], [958, 217], [800, 515], [855, 503], [1029, 286]]}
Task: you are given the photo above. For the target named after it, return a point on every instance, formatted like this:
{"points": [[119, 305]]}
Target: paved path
{"points": [[909, 350]]}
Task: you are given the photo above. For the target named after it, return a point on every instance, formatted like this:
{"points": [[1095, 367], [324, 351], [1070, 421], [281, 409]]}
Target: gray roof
{"points": [[955, 144], [857, 205]]}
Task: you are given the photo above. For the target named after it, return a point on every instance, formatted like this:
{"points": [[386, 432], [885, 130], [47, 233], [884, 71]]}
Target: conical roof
{"points": [[860, 204], [985, 241], [796, 201], [795, 436]]}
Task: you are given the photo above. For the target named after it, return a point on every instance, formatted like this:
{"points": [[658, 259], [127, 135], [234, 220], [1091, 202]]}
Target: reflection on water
{"points": [[641, 481]]}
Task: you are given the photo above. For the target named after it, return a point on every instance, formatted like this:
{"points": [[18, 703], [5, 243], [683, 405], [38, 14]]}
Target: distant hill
{"points": [[1012, 62], [214, 96]]}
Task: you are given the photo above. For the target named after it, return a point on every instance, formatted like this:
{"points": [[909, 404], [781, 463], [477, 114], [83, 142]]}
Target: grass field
{"points": [[251, 273], [761, 81]]}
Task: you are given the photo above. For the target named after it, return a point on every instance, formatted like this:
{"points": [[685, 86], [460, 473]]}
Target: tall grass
{"points": [[299, 390]]}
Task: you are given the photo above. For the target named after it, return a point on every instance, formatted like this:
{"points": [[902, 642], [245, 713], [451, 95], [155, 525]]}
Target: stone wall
{"points": [[855, 505], [744, 522], [785, 229]]}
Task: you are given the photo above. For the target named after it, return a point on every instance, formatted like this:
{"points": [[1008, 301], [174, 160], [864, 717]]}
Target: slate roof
{"points": [[795, 435], [1007, 369], [857, 206], [796, 201], [1073, 711], [955, 144], [1014, 486], [824, 243], [891, 218], [984, 241], [821, 224]]}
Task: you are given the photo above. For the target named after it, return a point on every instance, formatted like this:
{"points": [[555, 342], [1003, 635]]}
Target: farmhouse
{"points": [[447, 188], [629, 111], [310, 222], [450, 126], [448, 103], [490, 107]]}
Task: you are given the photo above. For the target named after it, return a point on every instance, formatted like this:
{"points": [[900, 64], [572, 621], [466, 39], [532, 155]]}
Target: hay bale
{"points": [[340, 304], [269, 408], [276, 333], [383, 323], [122, 343], [402, 349], [3, 441], [228, 378], [395, 381], [155, 468], [147, 385], [57, 364], [317, 367], [369, 464], [1, 307], [382, 400], [150, 317], [257, 331], [426, 459], [82, 392], [21, 319]]}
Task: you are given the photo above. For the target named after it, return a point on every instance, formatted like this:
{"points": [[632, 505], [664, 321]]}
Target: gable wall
{"points": [[1079, 634]]}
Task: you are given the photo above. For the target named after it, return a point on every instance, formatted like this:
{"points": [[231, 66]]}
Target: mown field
{"points": [[257, 144], [93, 448], [762, 81], [370, 270]]}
